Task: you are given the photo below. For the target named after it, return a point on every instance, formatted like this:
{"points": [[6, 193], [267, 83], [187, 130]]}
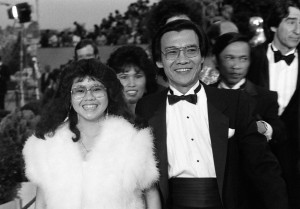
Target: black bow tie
{"points": [[278, 56], [192, 98]]}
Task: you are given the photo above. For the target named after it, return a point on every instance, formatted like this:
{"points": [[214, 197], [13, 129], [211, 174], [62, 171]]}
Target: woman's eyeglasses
{"points": [[81, 91]]}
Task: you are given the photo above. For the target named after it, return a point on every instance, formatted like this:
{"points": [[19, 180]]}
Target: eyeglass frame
{"points": [[86, 90], [179, 49]]}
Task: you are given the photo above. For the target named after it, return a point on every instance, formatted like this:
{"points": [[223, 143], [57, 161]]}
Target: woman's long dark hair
{"points": [[54, 114]]}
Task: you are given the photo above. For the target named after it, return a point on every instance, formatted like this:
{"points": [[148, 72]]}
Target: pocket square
{"points": [[231, 132]]}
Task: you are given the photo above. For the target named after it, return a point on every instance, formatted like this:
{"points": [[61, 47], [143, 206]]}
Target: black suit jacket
{"points": [[247, 149], [259, 74], [265, 107]]}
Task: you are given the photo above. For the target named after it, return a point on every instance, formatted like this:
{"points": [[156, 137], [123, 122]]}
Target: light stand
{"points": [[21, 83], [22, 13]]}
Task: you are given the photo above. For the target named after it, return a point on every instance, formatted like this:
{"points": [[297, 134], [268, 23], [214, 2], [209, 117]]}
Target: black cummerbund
{"points": [[194, 193]]}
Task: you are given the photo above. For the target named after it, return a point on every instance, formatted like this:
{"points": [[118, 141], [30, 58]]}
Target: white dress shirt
{"points": [[188, 139], [283, 77]]}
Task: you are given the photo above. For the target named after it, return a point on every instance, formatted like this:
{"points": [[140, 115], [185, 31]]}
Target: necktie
{"points": [[278, 56], [192, 98]]}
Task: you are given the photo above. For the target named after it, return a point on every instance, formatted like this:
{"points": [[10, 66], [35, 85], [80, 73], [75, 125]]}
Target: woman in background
{"points": [[136, 72]]}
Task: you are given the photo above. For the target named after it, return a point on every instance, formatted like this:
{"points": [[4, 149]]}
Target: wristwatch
{"points": [[264, 125]]}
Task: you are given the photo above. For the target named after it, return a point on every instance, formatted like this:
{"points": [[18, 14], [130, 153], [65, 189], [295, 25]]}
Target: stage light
{"points": [[21, 12]]}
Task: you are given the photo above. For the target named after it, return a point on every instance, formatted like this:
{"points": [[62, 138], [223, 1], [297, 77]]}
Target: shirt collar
{"points": [[191, 91], [223, 85], [275, 49]]}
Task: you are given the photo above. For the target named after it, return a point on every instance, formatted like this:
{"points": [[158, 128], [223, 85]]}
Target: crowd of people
{"points": [[131, 27], [116, 29], [205, 119]]}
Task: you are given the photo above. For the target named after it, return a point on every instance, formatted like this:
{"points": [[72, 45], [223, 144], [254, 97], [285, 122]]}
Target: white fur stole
{"points": [[117, 170]]}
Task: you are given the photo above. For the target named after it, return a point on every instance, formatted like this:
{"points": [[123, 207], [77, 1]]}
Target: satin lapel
{"points": [[265, 69], [297, 91], [298, 78], [218, 128], [158, 123]]}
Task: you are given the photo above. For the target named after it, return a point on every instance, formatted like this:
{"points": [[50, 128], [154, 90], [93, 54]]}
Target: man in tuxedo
{"points": [[232, 52], [204, 136], [275, 66]]}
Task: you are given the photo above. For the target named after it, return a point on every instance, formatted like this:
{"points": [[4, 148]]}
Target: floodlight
{"points": [[20, 12]]}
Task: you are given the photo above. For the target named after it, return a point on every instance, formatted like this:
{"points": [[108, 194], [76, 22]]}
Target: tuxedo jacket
{"points": [[265, 107], [246, 150], [259, 74]]}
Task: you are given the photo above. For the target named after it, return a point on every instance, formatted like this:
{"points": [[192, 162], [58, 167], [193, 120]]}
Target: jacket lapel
{"points": [[265, 73], [218, 128], [158, 123], [298, 77]]}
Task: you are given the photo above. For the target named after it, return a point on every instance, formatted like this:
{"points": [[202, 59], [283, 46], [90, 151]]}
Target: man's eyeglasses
{"points": [[81, 91], [188, 51]]}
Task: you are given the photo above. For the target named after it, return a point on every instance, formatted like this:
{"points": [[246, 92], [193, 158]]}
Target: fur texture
{"points": [[114, 175]]}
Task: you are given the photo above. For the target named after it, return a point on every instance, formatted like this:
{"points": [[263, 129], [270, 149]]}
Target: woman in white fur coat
{"points": [[85, 153]]}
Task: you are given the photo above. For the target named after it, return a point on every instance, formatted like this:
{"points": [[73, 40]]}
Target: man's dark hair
{"points": [[226, 39], [83, 43], [279, 11]]}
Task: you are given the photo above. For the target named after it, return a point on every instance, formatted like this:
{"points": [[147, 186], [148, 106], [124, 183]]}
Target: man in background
{"points": [[275, 66], [232, 52], [86, 49]]}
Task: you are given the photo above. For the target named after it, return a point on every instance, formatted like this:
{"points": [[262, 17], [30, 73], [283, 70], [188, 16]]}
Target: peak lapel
{"points": [[218, 128]]}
